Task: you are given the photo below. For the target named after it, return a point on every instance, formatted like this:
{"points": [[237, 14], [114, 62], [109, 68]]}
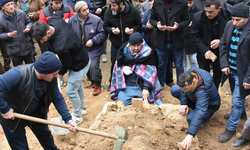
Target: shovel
{"points": [[121, 134]]}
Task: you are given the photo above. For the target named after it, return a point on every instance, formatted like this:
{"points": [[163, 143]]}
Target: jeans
{"points": [[75, 91], [246, 130], [18, 60], [176, 90], [192, 60], [130, 92], [94, 74], [163, 57], [238, 105], [18, 141]]}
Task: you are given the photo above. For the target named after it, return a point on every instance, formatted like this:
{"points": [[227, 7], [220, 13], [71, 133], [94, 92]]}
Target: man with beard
{"points": [[74, 57], [89, 29], [120, 20], [135, 73], [170, 17]]}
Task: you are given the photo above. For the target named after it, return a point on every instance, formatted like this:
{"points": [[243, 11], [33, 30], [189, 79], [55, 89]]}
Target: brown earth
{"points": [[157, 128]]}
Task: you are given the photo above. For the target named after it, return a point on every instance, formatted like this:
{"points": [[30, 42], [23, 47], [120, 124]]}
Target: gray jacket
{"points": [[21, 44]]}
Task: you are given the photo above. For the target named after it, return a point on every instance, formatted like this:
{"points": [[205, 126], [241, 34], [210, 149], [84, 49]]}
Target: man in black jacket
{"points": [[74, 57], [170, 17], [120, 20], [206, 30]]}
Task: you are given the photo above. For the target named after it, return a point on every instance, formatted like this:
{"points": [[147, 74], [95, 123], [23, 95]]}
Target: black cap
{"points": [[135, 38]]}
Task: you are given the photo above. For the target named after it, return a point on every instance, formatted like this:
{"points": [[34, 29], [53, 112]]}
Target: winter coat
{"points": [[189, 46], [93, 31], [67, 45], [72, 3], [21, 44], [35, 7], [47, 12], [203, 98], [99, 4], [178, 12], [201, 33], [242, 56], [130, 18], [144, 21]]}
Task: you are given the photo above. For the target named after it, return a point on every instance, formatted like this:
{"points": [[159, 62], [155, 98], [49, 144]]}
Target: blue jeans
{"points": [[163, 61], [75, 89], [176, 92], [238, 105], [130, 92], [192, 60], [18, 141]]}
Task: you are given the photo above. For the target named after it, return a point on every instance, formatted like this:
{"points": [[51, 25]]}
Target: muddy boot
{"points": [[226, 136], [240, 142], [97, 90], [92, 86], [243, 116]]}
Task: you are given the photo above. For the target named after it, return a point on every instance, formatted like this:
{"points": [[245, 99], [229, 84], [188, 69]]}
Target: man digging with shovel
{"points": [[29, 89]]}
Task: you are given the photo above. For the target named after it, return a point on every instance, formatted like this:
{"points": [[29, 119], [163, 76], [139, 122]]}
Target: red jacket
{"points": [[47, 12]]}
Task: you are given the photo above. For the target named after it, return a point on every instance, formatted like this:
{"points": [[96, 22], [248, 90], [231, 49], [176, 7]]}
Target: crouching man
{"points": [[135, 74], [29, 89], [195, 89]]}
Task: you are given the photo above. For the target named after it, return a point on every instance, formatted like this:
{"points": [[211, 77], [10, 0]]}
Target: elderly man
{"points": [[195, 89], [14, 30], [135, 73], [234, 61], [89, 29], [29, 89], [74, 57], [206, 30]]}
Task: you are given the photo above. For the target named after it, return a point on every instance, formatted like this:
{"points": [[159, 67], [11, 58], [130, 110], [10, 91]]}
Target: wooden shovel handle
{"points": [[43, 121]]}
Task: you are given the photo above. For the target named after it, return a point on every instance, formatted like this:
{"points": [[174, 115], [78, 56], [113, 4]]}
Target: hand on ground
{"points": [[187, 142]]}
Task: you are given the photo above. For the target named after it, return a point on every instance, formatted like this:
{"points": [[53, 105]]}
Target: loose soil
{"points": [[156, 128]]}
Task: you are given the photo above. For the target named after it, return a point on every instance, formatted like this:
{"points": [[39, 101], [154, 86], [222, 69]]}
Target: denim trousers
{"points": [[238, 105], [176, 90], [18, 60], [18, 140], [192, 60], [75, 91], [130, 92], [163, 56], [246, 130]]}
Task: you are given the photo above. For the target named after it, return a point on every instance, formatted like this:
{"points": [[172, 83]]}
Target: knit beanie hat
{"points": [[79, 5], [135, 38], [47, 63], [2, 2], [240, 10]]}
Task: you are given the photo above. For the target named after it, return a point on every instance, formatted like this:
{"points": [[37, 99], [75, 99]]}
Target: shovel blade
{"points": [[58, 130]]}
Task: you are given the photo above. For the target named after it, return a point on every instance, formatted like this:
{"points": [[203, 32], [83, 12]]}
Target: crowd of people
{"points": [[147, 40]]}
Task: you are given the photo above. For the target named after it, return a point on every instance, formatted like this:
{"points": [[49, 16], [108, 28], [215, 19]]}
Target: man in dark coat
{"points": [[120, 20], [64, 41], [170, 17], [234, 61], [207, 28]]}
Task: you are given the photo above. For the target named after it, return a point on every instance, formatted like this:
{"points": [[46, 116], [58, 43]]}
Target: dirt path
{"points": [[147, 130]]}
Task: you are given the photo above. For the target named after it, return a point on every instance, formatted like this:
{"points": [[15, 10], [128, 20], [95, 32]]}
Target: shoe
{"points": [[77, 120], [92, 86], [108, 89], [226, 136], [243, 116], [97, 90], [63, 84], [84, 111], [240, 142], [208, 119], [170, 84], [104, 58]]}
